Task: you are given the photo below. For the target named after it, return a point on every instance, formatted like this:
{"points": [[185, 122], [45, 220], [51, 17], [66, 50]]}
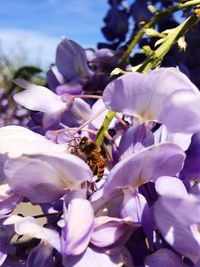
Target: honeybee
{"points": [[93, 156]]}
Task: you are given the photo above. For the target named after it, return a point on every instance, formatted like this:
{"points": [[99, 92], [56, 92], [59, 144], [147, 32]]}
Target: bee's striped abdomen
{"points": [[97, 164]]}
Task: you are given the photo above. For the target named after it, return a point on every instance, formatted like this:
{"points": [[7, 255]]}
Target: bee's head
{"points": [[83, 141]]}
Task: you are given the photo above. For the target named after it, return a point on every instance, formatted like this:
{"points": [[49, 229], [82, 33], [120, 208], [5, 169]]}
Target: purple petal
{"points": [[110, 206], [8, 199], [92, 257], [140, 11], [44, 178], [170, 186], [4, 243], [73, 88], [133, 205], [108, 231], [79, 113], [28, 226], [71, 60], [17, 140], [191, 167], [97, 122], [38, 98], [163, 135], [164, 258], [149, 164], [40, 256], [14, 263], [54, 78], [145, 95], [177, 219], [135, 139], [79, 220], [181, 113]]}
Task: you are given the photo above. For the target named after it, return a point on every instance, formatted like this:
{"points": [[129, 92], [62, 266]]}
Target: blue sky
{"points": [[35, 27]]}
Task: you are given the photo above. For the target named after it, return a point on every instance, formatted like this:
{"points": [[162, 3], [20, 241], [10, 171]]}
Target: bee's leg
{"points": [[93, 187], [99, 178], [94, 169], [75, 148]]}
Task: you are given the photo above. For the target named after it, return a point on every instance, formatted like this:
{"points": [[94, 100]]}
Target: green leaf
{"points": [[27, 72]]}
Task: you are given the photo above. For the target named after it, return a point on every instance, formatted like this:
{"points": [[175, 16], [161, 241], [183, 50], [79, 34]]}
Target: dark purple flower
{"points": [[54, 78], [191, 167], [6, 233], [71, 61], [116, 24], [40, 256], [114, 2], [140, 11], [14, 263], [164, 257]]}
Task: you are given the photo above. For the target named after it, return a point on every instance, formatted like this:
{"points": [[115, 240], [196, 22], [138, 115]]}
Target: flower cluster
{"points": [[111, 162]]}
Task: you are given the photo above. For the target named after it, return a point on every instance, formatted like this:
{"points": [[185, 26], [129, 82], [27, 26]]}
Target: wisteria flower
{"points": [[181, 139], [55, 108], [144, 166], [37, 168], [164, 257], [39, 98], [71, 61], [177, 216], [94, 236], [163, 95]]}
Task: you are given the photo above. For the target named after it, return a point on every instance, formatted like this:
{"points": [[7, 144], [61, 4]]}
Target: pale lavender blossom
{"points": [[53, 170], [163, 95], [54, 108], [82, 234], [177, 216], [181, 139], [144, 166], [39, 98]]}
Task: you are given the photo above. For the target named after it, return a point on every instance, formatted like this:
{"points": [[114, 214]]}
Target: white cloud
{"points": [[34, 47]]}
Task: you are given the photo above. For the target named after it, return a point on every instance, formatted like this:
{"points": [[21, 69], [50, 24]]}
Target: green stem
{"points": [[152, 22], [151, 62], [159, 53], [103, 130]]}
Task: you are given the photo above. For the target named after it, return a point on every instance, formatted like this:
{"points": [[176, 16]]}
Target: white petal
{"points": [[38, 98], [17, 140]]}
